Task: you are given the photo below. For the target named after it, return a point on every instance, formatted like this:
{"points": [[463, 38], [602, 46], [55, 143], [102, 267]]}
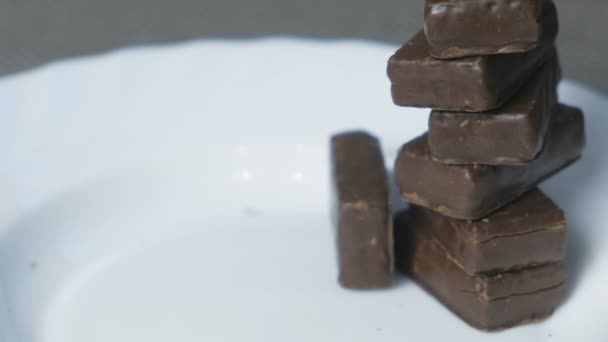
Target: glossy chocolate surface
{"points": [[475, 191], [470, 84], [459, 28], [512, 134]]}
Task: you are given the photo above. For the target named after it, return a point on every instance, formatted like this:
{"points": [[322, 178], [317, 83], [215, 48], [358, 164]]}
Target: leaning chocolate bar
{"points": [[459, 28], [471, 84], [530, 231], [512, 134], [363, 210], [475, 191], [485, 301]]}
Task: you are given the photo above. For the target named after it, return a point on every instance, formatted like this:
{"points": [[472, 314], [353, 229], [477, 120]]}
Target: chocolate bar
{"points": [[530, 231], [512, 134], [459, 28], [470, 84], [485, 301], [363, 212], [474, 191]]}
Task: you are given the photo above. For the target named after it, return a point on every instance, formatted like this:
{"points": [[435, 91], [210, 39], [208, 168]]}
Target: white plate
{"points": [[181, 194]]}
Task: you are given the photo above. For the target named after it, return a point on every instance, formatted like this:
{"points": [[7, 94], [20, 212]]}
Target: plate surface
{"points": [[181, 193]]}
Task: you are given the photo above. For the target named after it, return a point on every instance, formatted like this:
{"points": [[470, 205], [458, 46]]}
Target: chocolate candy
{"points": [[485, 301], [474, 191], [512, 134], [530, 231], [458, 28], [471, 84], [363, 210]]}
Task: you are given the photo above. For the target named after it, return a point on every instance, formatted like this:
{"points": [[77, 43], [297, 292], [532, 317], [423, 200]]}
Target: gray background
{"points": [[33, 32]]}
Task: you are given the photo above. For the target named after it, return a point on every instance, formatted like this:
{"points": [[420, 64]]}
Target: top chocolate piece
{"points": [[470, 84], [459, 28]]}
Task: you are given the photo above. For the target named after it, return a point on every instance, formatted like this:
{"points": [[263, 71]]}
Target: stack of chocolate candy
{"points": [[478, 235]]}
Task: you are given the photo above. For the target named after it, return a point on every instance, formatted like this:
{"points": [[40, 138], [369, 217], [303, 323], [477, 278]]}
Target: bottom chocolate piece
{"points": [[528, 232], [485, 301]]}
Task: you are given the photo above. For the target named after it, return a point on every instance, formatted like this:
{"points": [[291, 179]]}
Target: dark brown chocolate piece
{"points": [[470, 84], [475, 191], [459, 28], [530, 231], [363, 210], [487, 302], [512, 134]]}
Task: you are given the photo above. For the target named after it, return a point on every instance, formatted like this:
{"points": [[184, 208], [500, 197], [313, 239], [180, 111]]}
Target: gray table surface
{"points": [[34, 32]]}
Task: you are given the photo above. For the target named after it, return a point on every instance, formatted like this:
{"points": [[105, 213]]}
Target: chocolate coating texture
{"points": [[475, 191], [363, 212], [528, 232], [485, 301], [512, 134], [470, 84], [459, 28]]}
